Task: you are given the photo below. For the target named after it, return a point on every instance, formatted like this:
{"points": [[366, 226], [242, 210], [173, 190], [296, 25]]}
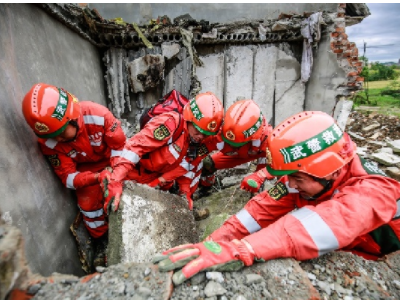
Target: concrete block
{"points": [[211, 75], [14, 270], [239, 70], [148, 222], [264, 78], [342, 112]]}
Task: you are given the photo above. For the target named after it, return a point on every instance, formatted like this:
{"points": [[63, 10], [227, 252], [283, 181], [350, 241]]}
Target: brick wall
{"points": [[346, 51]]}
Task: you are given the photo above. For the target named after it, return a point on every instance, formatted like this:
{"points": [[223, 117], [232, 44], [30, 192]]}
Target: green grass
{"points": [[387, 104], [379, 84]]}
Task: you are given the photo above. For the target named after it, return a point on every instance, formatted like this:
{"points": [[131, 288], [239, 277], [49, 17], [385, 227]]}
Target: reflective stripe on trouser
{"points": [[91, 202]]}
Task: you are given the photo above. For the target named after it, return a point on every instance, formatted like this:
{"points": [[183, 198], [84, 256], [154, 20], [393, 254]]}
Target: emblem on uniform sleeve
{"points": [[41, 127], [371, 168], [54, 160], [113, 127], [278, 191], [161, 132], [202, 150]]}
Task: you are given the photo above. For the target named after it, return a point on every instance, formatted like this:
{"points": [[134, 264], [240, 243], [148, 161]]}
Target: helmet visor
{"points": [[280, 172]]}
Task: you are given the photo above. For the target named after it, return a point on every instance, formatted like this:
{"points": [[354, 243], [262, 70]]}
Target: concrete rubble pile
{"points": [[164, 222], [338, 275], [378, 139]]}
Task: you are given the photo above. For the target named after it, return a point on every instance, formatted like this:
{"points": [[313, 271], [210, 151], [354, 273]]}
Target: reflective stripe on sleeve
{"points": [[131, 156], [200, 166], [94, 224], [195, 181], [220, 145], [248, 221], [173, 151], [93, 143], [70, 180], [262, 161], [319, 231], [398, 210], [256, 143], [50, 143], [90, 119], [92, 214], [190, 175], [186, 165], [116, 153]]}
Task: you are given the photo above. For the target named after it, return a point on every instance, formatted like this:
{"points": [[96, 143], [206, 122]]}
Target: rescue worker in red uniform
{"points": [[154, 156], [79, 139], [243, 138], [328, 198]]}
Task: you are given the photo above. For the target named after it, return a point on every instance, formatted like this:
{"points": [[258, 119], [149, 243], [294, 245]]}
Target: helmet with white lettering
{"points": [[310, 142], [48, 109], [206, 112], [243, 123]]}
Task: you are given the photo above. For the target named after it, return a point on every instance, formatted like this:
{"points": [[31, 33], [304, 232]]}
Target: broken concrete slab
{"points": [[146, 72], [395, 145], [371, 127], [393, 172], [386, 158], [148, 222], [342, 111]]}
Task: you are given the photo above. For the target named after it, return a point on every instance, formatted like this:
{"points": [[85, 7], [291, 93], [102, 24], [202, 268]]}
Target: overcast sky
{"points": [[381, 32]]}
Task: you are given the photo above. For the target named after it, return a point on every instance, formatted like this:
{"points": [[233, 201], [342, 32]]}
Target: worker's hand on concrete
{"points": [[105, 174], [189, 200], [252, 183], [112, 195], [160, 181], [205, 256]]}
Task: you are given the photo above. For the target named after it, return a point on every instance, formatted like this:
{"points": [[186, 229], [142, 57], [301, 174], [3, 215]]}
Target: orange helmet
{"points": [[243, 123], [310, 142], [48, 109], [206, 112]]}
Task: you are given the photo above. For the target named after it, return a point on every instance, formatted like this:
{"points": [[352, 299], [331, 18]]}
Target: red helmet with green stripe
{"points": [[310, 142], [243, 123], [48, 109], [206, 112]]}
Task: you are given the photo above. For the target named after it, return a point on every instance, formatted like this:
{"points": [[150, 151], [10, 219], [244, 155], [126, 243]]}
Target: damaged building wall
{"points": [[35, 48], [287, 64], [142, 13]]}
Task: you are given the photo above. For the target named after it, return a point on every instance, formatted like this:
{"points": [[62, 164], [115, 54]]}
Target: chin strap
{"points": [[327, 184]]}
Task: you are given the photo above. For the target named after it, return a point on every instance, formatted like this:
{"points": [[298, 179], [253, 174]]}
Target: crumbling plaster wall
{"points": [[142, 13], [36, 48], [269, 73]]}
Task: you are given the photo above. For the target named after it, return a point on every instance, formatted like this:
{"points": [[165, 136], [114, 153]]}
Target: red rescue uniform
{"points": [[360, 213], [157, 149], [99, 139]]}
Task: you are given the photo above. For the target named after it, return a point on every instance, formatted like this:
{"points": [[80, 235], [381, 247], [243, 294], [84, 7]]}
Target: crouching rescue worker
{"points": [[242, 138], [78, 139], [156, 155], [328, 198]]}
